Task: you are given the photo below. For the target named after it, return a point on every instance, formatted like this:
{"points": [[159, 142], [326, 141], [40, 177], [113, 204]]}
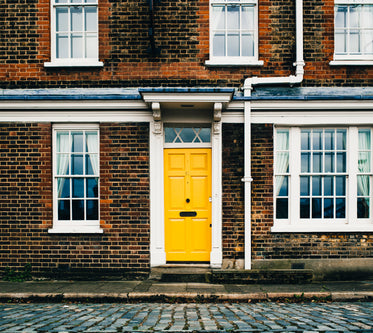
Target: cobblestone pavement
{"points": [[155, 317]]}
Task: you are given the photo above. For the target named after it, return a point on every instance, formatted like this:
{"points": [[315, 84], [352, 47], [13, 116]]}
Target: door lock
{"points": [[187, 200]]}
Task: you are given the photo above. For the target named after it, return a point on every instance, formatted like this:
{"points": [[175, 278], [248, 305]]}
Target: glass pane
{"points": [[340, 185], [233, 44], [76, 19], [317, 160], [187, 134], [316, 185], [63, 164], [92, 209], [364, 139], [219, 45], [77, 46], [91, 164], [282, 140], [367, 41], [92, 188], [340, 208], [328, 186], [63, 187], [63, 143], [304, 186], [340, 17], [354, 16], [340, 43], [341, 162], [205, 134], [62, 46], [305, 140], [169, 135], [233, 17], [60, 1], [91, 19], [77, 142], [78, 209], [78, 187], [284, 186], [329, 162], [282, 208], [354, 42], [317, 140], [329, 140], [363, 208], [63, 210], [316, 208], [62, 19], [91, 142], [77, 164], [218, 20], [91, 47], [328, 208], [305, 162], [304, 208], [247, 17], [341, 139], [364, 162], [247, 45], [363, 186]]}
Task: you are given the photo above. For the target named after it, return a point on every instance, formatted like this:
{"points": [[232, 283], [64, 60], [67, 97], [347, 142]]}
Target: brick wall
{"points": [[181, 30], [26, 203], [267, 245]]}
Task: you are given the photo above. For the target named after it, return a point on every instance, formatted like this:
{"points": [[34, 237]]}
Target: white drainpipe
{"points": [[248, 86]]}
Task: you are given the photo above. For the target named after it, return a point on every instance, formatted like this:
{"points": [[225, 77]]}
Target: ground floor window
{"points": [[322, 179]]}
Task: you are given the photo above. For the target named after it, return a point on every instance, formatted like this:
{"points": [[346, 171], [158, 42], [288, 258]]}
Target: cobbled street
{"points": [[156, 317]]}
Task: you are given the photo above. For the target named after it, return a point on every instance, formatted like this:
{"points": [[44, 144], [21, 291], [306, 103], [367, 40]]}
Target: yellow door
{"points": [[187, 181]]}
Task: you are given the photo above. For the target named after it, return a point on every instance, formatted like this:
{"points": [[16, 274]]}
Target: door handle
{"points": [[188, 214]]}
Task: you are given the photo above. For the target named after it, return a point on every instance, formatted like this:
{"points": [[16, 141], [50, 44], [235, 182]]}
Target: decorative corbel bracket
{"points": [[156, 108], [217, 117]]}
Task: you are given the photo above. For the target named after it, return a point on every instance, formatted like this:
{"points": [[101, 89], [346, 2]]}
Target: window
{"points": [[76, 179], [322, 179], [233, 32], [74, 36], [353, 30]]}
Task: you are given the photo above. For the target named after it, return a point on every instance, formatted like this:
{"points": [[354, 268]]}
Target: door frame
{"points": [[157, 227]]}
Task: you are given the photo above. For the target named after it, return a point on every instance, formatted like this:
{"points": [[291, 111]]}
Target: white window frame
{"points": [[60, 226], [234, 60], [70, 62], [350, 59], [294, 223]]}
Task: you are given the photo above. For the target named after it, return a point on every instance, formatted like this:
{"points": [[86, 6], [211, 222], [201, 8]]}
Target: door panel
{"points": [[187, 189]]}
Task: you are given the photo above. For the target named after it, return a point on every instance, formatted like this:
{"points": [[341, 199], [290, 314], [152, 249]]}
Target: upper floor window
{"points": [[74, 33], [233, 32], [353, 30]]}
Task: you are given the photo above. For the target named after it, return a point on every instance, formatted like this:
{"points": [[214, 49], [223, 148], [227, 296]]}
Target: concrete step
{"points": [[220, 276]]}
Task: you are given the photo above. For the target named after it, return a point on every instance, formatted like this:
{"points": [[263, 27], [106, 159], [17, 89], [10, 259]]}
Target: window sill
{"points": [[70, 63], [317, 228], [75, 230], [351, 63], [229, 62]]}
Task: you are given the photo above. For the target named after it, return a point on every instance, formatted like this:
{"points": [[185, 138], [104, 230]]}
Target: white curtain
{"points": [[63, 156], [282, 161], [364, 162], [92, 145]]}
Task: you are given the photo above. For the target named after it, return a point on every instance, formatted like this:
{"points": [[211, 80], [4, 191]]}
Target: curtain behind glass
{"points": [[63, 157], [282, 161], [364, 162]]}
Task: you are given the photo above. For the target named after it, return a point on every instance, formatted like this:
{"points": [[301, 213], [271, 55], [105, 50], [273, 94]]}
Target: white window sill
{"points": [[75, 230], [231, 61], [74, 63], [351, 63], [326, 227]]}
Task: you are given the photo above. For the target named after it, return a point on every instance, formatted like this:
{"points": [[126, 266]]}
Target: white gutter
{"points": [[248, 86]]}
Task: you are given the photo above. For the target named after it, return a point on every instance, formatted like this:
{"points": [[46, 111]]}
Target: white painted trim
{"points": [[73, 63], [75, 230], [188, 145], [232, 117], [232, 62], [317, 228], [320, 106], [351, 63], [188, 97]]}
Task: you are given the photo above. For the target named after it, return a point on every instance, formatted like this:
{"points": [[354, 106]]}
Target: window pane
{"points": [[218, 14], [76, 18], [62, 46], [340, 208], [329, 162], [91, 164], [317, 160], [367, 41], [91, 19], [62, 19], [305, 140], [63, 164], [91, 47], [247, 45], [354, 42], [77, 142], [78, 209], [316, 208], [219, 45], [328, 186], [328, 208], [283, 182], [340, 43], [363, 208], [363, 186], [63, 143], [317, 140], [316, 185], [78, 187], [77, 46], [233, 44], [305, 162], [92, 209], [77, 164], [304, 186], [91, 142], [354, 16], [340, 185], [340, 17], [169, 134], [187, 134], [329, 140], [92, 188], [233, 17], [341, 162], [304, 208], [282, 208], [64, 210], [341, 139], [205, 134], [63, 187], [364, 139], [364, 162], [247, 17]]}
